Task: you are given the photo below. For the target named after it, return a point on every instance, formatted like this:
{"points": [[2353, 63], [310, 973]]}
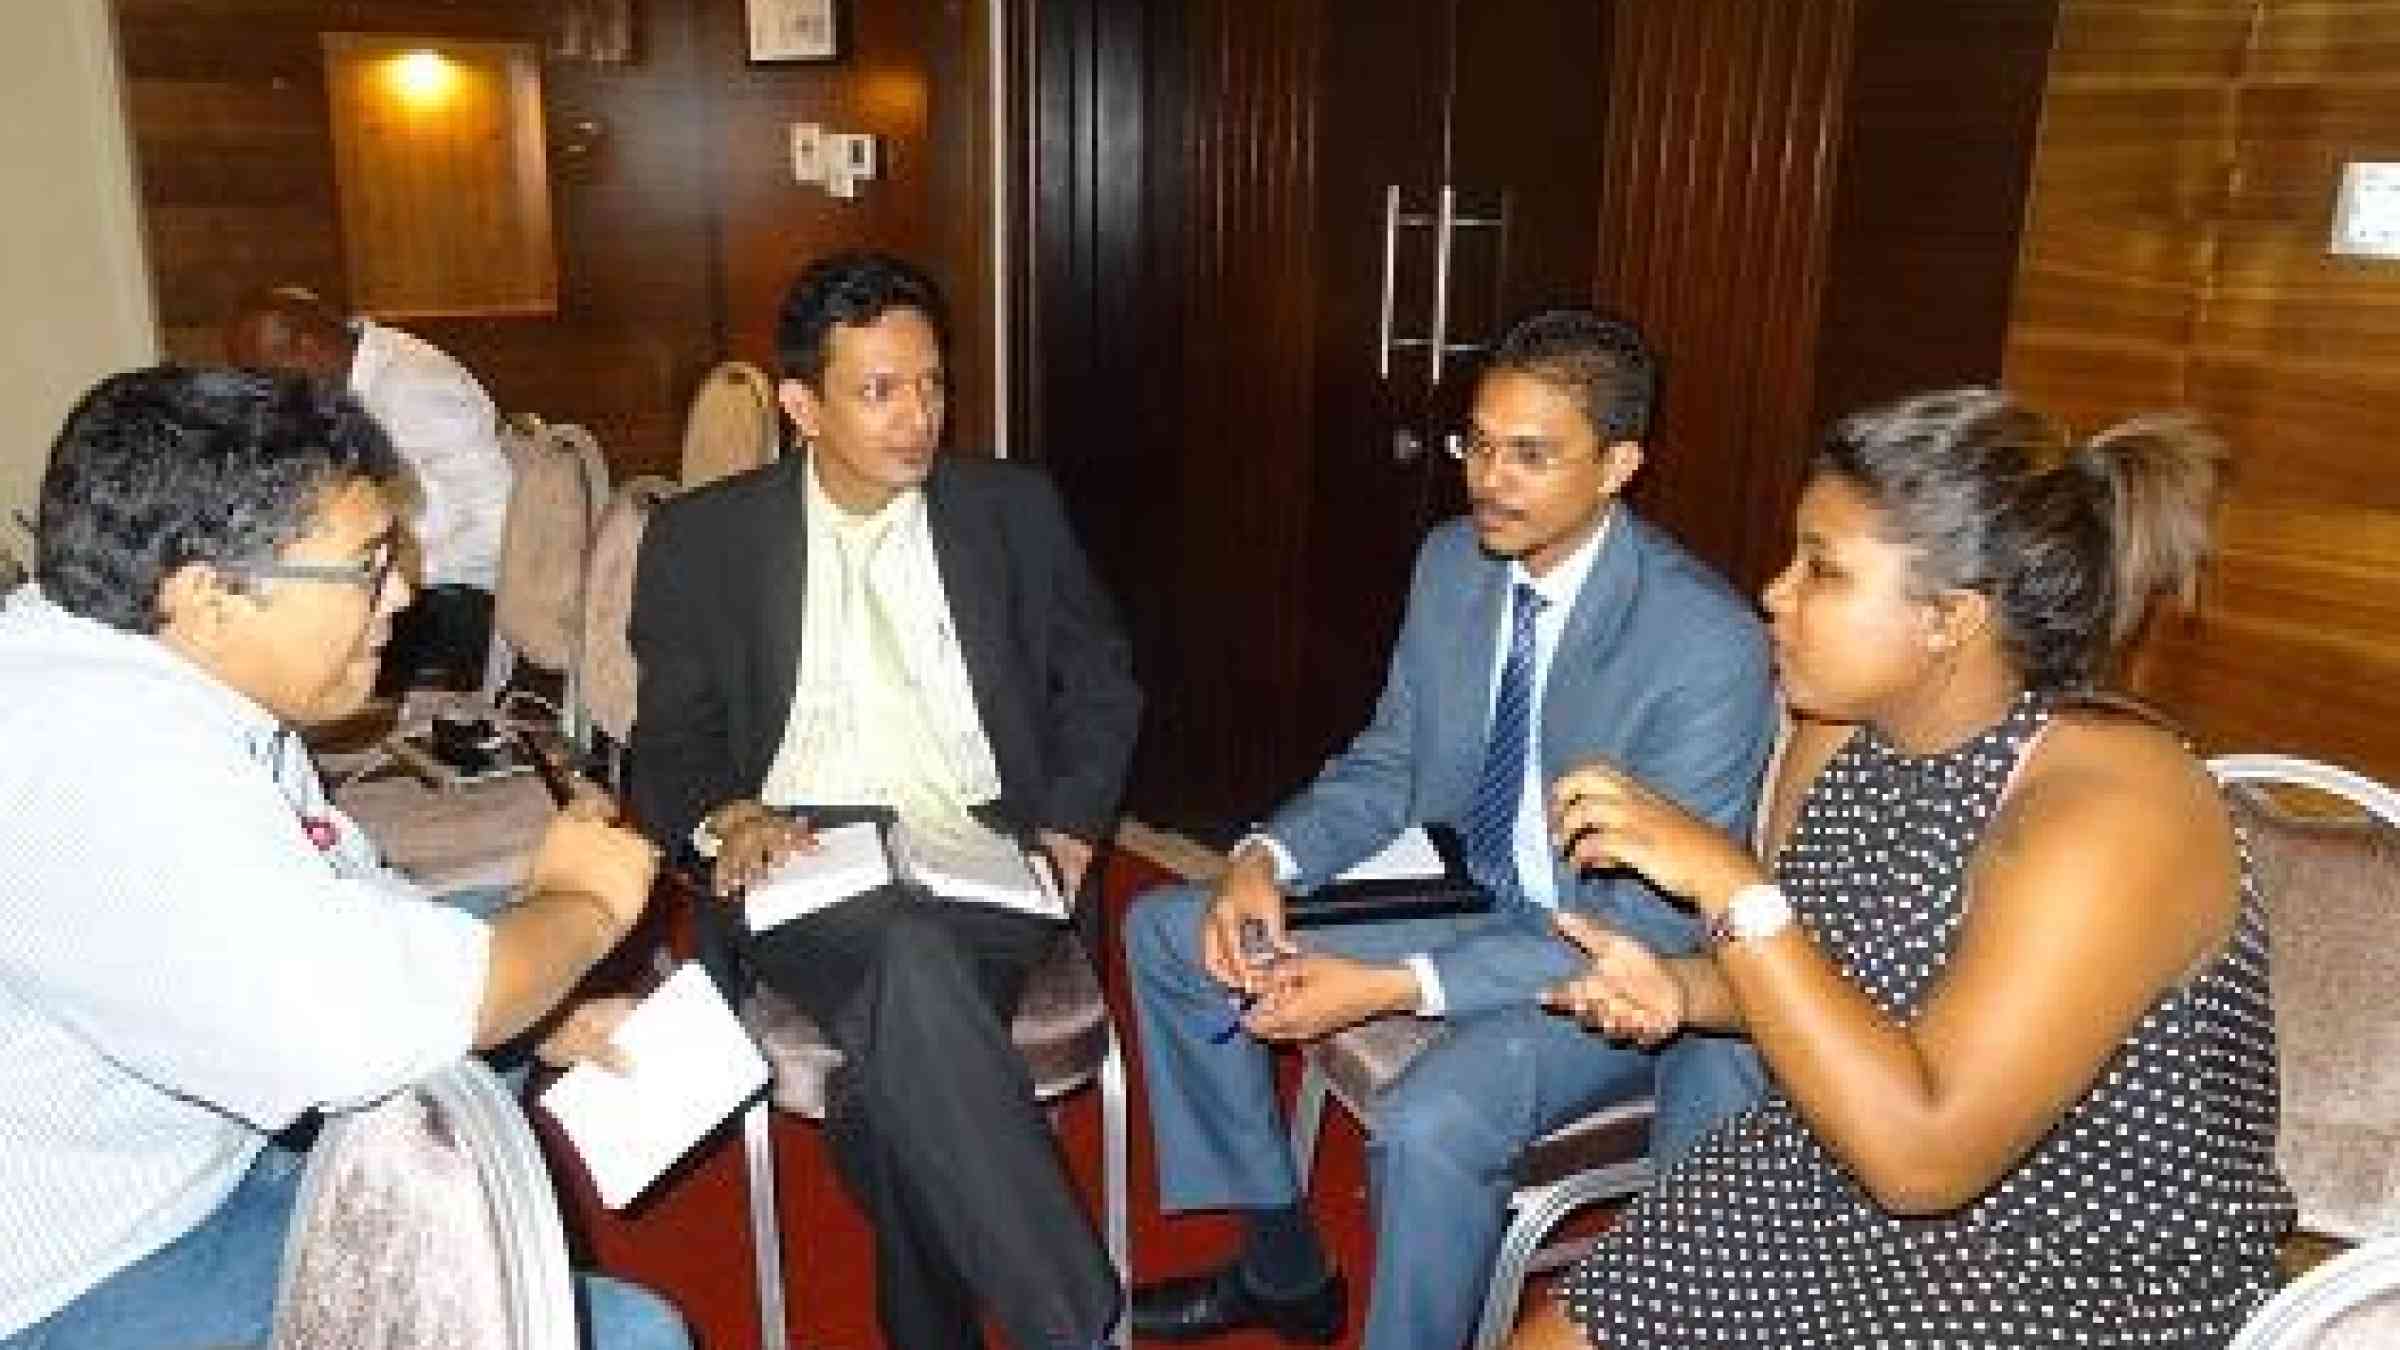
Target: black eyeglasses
{"points": [[370, 574]]}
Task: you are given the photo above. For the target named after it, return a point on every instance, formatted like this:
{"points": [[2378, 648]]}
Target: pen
{"points": [[1258, 952], [554, 774]]}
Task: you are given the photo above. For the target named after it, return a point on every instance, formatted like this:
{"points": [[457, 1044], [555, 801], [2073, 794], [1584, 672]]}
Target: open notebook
{"points": [[852, 859], [693, 1066]]}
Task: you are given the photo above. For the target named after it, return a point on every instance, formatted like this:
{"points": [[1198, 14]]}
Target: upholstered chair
{"points": [[427, 1223], [1600, 1156], [1062, 1029], [2326, 846], [732, 426]]}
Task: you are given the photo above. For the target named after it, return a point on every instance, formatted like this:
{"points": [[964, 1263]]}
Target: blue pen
{"points": [[1257, 951]]}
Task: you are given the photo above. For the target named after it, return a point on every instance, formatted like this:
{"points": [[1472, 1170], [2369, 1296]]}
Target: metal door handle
{"points": [[1445, 215], [1391, 254]]}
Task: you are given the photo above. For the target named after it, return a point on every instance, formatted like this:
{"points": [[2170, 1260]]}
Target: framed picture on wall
{"points": [[792, 30]]}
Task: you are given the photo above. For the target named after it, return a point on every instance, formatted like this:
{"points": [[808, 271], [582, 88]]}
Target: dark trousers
{"points": [[933, 1123]]}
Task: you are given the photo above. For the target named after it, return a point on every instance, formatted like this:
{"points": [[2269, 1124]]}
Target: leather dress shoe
{"points": [[1190, 1307]]}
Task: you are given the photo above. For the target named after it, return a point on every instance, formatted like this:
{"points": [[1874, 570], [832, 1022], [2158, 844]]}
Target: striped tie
{"points": [[1492, 816]]}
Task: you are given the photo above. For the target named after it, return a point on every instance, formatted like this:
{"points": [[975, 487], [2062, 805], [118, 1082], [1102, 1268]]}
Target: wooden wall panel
{"points": [[1721, 144], [2175, 257], [911, 74], [676, 222], [1249, 172], [445, 193], [227, 103]]}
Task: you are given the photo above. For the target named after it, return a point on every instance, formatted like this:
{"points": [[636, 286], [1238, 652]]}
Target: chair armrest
{"points": [[2292, 1318]]}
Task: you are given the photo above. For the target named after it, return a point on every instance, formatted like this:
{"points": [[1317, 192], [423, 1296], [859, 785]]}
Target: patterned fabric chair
{"points": [[1601, 1156], [1062, 1029], [2332, 883], [733, 424], [606, 662], [446, 834], [427, 1223]]}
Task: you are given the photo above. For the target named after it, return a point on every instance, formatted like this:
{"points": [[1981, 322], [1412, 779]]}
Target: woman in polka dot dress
{"points": [[2010, 975]]}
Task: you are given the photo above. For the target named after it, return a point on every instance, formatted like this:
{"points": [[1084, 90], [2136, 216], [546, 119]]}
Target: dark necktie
{"points": [[1492, 816]]}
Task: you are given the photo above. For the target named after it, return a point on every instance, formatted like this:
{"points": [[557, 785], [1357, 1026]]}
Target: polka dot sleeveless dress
{"points": [[2147, 1217]]}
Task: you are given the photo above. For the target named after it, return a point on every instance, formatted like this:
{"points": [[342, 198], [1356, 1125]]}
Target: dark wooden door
{"points": [[1382, 100], [1459, 186], [1253, 445]]}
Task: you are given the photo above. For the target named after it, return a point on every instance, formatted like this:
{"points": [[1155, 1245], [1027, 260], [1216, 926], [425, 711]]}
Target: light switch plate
{"points": [[856, 149], [808, 152], [2366, 215]]}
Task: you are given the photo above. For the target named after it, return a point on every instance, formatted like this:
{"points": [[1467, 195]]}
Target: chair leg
{"points": [[1114, 1179], [1538, 1210], [1308, 1117], [766, 1241]]}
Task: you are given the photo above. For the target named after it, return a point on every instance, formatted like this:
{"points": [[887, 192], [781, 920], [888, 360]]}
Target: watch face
{"points": [[1756, 911]]}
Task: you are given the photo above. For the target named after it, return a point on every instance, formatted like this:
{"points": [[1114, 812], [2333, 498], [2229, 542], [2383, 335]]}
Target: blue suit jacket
{"points": [[1662, 669]]}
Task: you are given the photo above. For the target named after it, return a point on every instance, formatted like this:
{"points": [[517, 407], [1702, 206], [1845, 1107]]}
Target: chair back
{"points": [[427, 1223], [560, 486], [2332, 887], [609, 674], [732, 425]]}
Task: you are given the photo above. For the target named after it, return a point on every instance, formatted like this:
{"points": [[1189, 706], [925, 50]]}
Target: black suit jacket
{"points": [[717, 630]]}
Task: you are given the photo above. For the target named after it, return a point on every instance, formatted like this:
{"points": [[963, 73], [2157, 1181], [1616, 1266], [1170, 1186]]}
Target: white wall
{"points": [[74, 291]]}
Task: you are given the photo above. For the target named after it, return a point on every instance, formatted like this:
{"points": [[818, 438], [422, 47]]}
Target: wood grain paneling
{"points": [[677, 226], [1714, 221], [1247, 461], [912, 76], [1810, 207], [441, 169], [2175, 256]]}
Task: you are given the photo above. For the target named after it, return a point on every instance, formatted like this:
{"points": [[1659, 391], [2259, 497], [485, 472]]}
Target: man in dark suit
{"points": [[870, 622], [1550, 627]]}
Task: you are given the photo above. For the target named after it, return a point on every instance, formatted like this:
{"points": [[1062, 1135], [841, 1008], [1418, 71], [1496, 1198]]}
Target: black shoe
{"points": [[1190, 1307]]}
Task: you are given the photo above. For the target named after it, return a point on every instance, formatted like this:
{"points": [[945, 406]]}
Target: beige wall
{"points": [[77, 294]]}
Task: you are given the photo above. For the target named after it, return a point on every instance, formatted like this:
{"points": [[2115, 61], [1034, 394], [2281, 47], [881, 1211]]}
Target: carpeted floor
{"points": [[689, 1237]]}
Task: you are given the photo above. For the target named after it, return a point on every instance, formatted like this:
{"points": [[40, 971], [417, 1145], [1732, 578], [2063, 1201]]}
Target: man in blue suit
{"points": [[1550, 627]]}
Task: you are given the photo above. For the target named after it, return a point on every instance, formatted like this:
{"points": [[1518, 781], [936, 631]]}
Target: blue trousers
{"points": [[214, 1287], [1445, 1133]]}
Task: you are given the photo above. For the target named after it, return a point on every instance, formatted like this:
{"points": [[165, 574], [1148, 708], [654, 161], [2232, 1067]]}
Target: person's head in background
{"points": [[1561, 410], [243, 518], [862, 338], [290, 328], [1957, 547]]}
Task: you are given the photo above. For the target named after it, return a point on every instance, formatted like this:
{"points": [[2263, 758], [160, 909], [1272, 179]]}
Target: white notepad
{"points": [[1410, 856], [848, 860], [985, 871], [693, 1064]]}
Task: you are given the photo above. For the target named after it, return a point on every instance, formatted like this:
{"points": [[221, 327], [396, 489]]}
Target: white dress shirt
{"points": [[445, 426], [195, 947]]}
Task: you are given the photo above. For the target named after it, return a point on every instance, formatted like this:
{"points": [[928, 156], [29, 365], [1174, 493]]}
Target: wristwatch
{"points": [[1756, 912]]}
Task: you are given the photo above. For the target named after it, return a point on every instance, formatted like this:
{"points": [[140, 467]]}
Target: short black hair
{"points": [[170, 465], [1600, 362], [852, 288]]}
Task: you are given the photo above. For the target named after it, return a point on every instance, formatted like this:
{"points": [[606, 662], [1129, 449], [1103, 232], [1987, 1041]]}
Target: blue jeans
{"points": [[214, 1287]]}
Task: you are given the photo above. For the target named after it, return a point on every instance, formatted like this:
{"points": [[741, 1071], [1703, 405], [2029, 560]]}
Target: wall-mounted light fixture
{"points": [[422, 79]]}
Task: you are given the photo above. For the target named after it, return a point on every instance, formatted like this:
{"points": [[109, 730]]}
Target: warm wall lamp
{"points": [[423, 77]]}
